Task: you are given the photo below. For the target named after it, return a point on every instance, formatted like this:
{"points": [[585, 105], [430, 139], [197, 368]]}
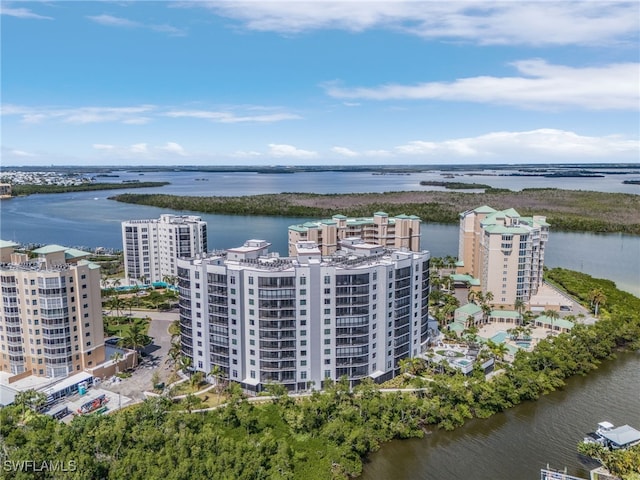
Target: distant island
{"points": [[568, 210], [456, 185], [631, 182], [29, 189]]}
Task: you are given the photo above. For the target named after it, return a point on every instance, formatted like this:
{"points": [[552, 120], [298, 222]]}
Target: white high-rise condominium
{"points": [[50, 312], [151, 247], [260, 318], [505, 251]]}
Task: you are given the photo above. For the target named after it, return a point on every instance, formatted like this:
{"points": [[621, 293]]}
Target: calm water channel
{"points": [[514, 445], [90, 219]]}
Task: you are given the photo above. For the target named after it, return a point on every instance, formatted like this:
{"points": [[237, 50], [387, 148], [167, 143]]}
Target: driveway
{"points": [[153, 359]]}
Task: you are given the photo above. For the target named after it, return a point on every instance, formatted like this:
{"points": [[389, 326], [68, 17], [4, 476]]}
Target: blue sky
{"points": [[350, 82]]}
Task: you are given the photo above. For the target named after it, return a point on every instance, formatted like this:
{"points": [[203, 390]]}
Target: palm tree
{"points": [[174, 353], [597, 298], [116, 357], [486, 312], [185, 364], [488, 297], [519, 306], [216, 372], [30, 398], [133, 337], [552, 315]]}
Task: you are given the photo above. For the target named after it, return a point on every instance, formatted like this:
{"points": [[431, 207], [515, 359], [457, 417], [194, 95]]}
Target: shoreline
{"points": [[566, 210]]}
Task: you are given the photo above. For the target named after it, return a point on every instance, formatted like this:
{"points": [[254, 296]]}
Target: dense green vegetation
{"points": [[622, 463], [18, 190], [323, 436], [565, 209], [456, 185]]}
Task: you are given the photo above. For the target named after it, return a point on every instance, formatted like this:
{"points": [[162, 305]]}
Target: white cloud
{"points": [[22, 153], [102, 146], [175, 148], [540, 85], [345, 152], [22, 13], [289, 151], [545, 143], [142, 150], [480, 21], [80, 115], [229, 117], [111, 21], [245, 154], [139, 148]]}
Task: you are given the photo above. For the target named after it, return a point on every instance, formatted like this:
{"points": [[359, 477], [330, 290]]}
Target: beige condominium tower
{"points": [[504, 250], [51, 313], [401, 231]]}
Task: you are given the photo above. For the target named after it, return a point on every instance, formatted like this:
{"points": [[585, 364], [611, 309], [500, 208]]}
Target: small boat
{"points": [[614, 438]]}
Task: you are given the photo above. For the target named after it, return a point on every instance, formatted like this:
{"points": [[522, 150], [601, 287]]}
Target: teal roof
{"points": [[91, 265], [484, 209], [505, 313], [7, 243], [310, 225], [460, 263], [401, 216], [75, 253], [511, 212], [359, 221], [501, 229], [456, 327], [382, 214], [340, 217], [469, 309], [49, 249], [560, 322], [297, 228], [327, 222], [463, 277]]}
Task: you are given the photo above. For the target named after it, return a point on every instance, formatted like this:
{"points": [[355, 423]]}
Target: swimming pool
{"points": [[523, 344], [499, 337]]}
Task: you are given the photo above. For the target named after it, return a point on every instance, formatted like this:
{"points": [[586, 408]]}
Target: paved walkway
{"points": [[154, 359]]}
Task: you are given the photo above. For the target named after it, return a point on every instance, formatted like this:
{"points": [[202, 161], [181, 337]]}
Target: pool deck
{"points": [[490, 330]]}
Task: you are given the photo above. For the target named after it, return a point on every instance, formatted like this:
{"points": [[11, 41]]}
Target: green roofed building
{"points": [[401, 231], [505, 251], [59, 330]]}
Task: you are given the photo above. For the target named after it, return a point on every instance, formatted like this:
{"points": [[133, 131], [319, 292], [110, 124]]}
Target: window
{"points": [[250, 283], [327, 321], [327, 301], [327, 280], [327, 341], [303, 333], [303, 291], [327, 331], [303, 363], [327, 351], [327, 291], [327, 311], [303, 281], [303, 312]]}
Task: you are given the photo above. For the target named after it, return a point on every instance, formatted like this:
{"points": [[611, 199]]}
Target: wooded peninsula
{"points": [[567, 210], [30, 189]]}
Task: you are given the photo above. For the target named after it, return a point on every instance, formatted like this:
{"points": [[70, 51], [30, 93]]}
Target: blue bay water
{"points": [[89, 219]]}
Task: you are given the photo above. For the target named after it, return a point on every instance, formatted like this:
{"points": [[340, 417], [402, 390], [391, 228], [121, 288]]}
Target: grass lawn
{"points": [[119, 326]]}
